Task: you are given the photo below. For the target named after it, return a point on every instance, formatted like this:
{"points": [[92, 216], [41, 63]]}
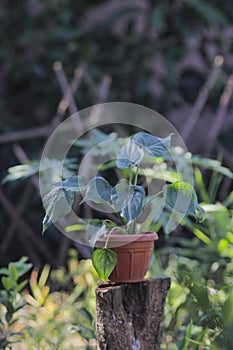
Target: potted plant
{"points": [[121, 242]]}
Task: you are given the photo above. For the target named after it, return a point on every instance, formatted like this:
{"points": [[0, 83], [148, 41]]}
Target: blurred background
{"points": [[60, 56], [175, 57]]}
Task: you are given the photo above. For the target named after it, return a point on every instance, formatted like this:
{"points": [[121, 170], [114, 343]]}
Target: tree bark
{"points": [[130, 315]]}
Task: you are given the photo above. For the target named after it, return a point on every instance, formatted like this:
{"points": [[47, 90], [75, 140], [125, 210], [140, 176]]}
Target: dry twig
{"points": [[201, 100], [218, 121]]}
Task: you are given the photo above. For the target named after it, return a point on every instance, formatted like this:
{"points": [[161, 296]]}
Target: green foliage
{"points": [[181, 197], [127, 199], [199, 308], [198, 313], [97, 142], [11, 301], [59, 200], [57, 204], [44, 319], [129, 156], [104, 261], [58, 30], [22, 171], [98, 190]]}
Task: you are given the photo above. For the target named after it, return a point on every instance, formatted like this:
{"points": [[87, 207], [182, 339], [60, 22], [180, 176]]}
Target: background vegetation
{"points": [[175, 57]]}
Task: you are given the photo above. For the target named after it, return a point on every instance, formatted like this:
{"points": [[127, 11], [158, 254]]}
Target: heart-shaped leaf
{"points": [[130, 155], [134, 207], [57, 203], [121, 195], [181, 198], [157, 147], [128, 199], [98, 190], [104, 260]]}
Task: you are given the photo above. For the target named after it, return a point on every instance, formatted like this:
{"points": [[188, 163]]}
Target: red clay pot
{"points": [[133, 256]]}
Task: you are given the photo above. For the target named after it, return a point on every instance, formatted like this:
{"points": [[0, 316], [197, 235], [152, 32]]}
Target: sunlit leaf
{"points": [[181, 198], [13, 272], [8, 284], [212, 164], [21, 171]]}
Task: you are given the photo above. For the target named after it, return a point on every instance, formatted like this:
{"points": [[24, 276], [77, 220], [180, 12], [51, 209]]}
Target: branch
{"points": [[201, 100], [218, 121], [25, 134]]}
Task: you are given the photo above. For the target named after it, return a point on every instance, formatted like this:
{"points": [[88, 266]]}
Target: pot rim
{"points": [[118, 239], [117, 236]]}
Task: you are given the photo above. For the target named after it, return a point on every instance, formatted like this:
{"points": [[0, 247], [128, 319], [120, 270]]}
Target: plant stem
{"points": [[110, 232], [130, 177], [131, 227], [136, 176]]}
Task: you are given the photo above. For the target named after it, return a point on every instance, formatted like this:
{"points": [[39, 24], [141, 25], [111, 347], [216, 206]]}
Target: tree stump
{"points": [[130, 315]]}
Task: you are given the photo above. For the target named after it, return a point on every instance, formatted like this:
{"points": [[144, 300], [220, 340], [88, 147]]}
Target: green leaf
{"points": [[97, 143], [212, 164], [130, 155], [158, 172], [154, 214], [134, 207], [98, 190], [170, 221], [181, 198], [22, 266], [157, 147], [75, 227], [73, 183], [121, 195], [21, 286], [4, 271], [57, 204], [8, 284], [104, 260], [128, 200], [13, 272], [22, 171]]}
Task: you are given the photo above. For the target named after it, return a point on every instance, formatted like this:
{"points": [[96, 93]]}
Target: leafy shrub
{"points": [[41, 319]]}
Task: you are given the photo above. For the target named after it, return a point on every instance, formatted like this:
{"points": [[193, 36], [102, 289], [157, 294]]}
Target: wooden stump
{"points": [[130, 315]]}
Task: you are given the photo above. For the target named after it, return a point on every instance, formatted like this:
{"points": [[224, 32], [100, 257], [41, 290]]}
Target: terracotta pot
{"points": [[133, 256]]}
